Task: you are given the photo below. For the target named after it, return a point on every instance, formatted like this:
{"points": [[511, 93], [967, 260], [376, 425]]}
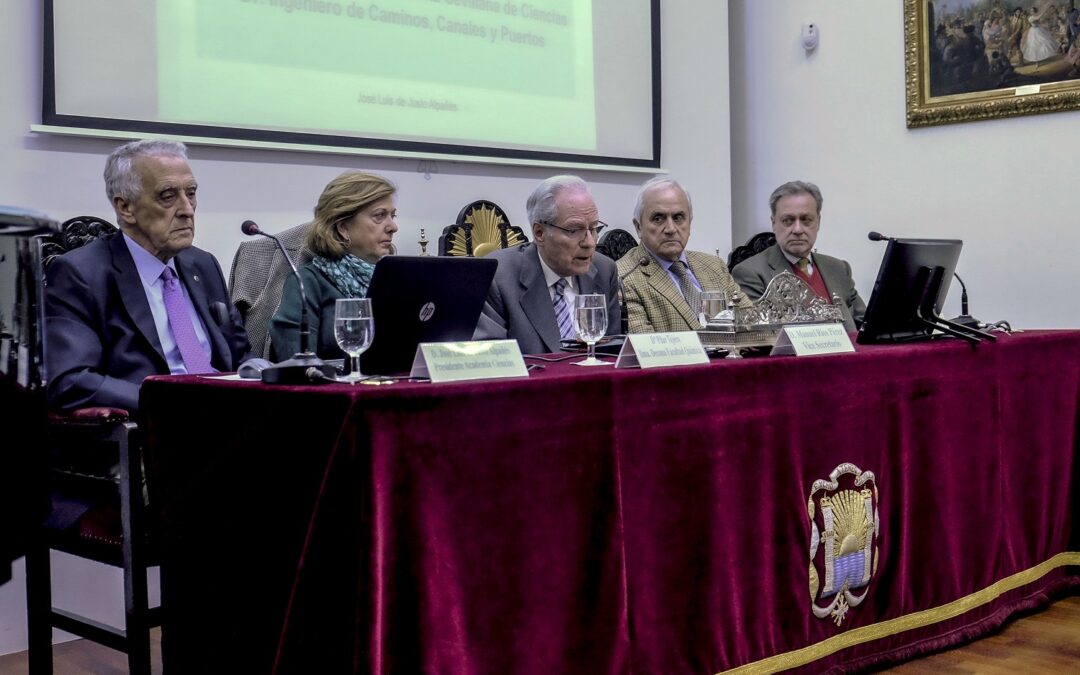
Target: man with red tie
{"points": [[796, 219], [144, 301]]}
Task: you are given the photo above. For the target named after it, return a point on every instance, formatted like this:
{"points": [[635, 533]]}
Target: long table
{"points": [[588, 520]]}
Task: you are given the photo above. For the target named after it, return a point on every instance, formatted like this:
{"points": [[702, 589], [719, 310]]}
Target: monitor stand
{"points": [[929, 280]]}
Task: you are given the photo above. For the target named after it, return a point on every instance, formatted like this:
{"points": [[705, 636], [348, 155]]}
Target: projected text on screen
{"points": [[568, 81], [518, 73]]}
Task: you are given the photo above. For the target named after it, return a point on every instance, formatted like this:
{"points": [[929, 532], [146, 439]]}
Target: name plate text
{"points": [[461, 361], [813, 339], [653, 350]]}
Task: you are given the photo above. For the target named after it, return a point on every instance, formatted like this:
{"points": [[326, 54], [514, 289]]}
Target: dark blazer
{"points": [[518, 305], [285, 326], [100, 338], [755, 273]]}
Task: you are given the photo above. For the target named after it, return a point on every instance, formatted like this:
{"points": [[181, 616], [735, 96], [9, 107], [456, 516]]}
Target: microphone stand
{"points": [[925, 311], [305, 367], [965, 319]]}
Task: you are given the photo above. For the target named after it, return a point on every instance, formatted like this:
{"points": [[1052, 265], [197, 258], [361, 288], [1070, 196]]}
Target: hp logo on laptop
{"points": [[427, 311]]}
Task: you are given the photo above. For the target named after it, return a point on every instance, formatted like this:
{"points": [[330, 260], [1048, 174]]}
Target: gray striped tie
{"points": [[686, 285], [562, 311]]}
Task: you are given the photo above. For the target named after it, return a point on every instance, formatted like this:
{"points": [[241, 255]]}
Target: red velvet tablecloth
{"points": [[593, 520]]}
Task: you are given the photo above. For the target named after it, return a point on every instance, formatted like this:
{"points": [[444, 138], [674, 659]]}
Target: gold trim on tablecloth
{"points": [[857, 636]]}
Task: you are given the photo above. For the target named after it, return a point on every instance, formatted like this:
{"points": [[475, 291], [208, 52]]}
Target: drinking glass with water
{"points": [[590, 322], [354, 328]]}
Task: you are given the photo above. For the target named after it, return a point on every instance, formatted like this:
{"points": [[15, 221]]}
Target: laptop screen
{"points": [[423, 299]]}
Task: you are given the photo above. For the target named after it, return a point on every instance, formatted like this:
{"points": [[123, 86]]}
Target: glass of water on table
{"points": [[354, 327]]}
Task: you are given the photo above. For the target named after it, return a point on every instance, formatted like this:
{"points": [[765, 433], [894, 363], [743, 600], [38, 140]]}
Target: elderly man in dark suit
{"points": [[142, 302], [796, 219], [532, 296]]}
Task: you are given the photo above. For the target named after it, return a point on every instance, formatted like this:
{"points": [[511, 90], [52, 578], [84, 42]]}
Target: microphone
{"points": [[643, 261], [877, 236], [965, 319], [301, 368]]}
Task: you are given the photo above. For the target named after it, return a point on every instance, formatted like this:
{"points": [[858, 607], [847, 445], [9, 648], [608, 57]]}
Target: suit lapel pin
{"points": [[195, 277]]}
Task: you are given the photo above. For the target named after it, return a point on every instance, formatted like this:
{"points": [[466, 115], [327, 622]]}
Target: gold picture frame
{"points": [[947, 83]]}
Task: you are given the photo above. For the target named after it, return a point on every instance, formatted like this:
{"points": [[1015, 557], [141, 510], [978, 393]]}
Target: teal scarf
{"points": [[350, 275]]}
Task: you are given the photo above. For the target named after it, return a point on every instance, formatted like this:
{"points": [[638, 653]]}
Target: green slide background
{"points": [[295, 65]]}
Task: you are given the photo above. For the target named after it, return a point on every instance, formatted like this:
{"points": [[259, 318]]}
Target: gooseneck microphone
{"points": [[877, 236], [304, 367], [963, 294], [965, 319], [643, 261]]}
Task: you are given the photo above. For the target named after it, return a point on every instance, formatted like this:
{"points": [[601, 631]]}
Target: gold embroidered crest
{"points": [[844, 528]]}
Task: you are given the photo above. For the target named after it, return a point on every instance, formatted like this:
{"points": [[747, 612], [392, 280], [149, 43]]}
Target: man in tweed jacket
{"points": [[257, 276], [655, 301]]}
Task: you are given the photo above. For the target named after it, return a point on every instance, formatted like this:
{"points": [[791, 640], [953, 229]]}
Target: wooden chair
{"points": [[24, 495], [99, 510], [757, 243], [615, 242], [74, 233], [481, 227]]}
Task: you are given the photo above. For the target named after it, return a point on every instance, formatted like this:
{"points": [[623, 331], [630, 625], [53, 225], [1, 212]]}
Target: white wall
{"points": [[62, 177], [836, 117]]}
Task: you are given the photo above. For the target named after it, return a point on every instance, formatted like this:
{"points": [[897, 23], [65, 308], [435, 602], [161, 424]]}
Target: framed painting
{"points": [[985, 59]]}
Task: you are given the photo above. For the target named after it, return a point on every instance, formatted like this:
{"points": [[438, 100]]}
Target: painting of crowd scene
{"points": [[982, 45]]}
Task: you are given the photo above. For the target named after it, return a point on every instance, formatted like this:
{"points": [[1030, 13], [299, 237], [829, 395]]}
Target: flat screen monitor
{"points": [[914, 274]]}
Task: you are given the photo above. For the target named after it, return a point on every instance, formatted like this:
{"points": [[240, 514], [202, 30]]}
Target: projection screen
{"points": [[574, 81]]}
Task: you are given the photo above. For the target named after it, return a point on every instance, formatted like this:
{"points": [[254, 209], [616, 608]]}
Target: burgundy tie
{"points": [[195, 359]]}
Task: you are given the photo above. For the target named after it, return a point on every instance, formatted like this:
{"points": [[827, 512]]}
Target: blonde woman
{"points": [[354, 226]]}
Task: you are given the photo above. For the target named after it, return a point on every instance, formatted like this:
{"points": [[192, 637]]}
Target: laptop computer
{"points": [[423, 299]]}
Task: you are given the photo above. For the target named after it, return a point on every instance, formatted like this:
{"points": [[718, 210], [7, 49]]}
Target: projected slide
{"points": [[570, 77], [508, 71]]}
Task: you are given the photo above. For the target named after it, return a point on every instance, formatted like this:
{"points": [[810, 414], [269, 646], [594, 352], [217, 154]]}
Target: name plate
{"points": [[813, 339], [460, 361], [652, 350]]}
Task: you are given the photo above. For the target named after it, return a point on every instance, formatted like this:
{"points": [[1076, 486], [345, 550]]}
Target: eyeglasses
{"points": [[578, 233]]}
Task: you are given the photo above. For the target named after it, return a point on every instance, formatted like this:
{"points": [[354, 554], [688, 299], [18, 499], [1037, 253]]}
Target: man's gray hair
{"points": [[653, 183], [121, 178], [795, 187], [541, 203]]}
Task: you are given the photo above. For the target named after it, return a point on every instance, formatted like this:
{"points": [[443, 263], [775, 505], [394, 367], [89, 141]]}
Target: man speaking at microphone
{"points": [[144, 301], [532, 296], [796, 220], [663, 281]]}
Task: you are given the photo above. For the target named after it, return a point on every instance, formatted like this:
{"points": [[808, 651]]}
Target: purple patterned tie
{"points": [[195, 359], [562, 311]]}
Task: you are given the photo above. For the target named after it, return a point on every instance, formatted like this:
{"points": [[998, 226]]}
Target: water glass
{"points": [[712, 304], [354, 328], [590, 323]]}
